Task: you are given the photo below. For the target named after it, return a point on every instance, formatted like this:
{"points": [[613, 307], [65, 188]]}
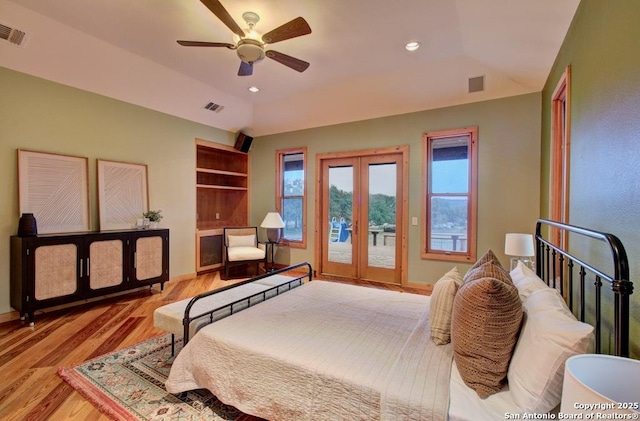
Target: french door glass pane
{"points": [[340, 214], [382, 216], [449, 223]]}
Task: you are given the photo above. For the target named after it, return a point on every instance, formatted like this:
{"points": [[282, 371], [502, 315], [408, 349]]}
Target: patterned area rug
{"points": [[129, 385]]}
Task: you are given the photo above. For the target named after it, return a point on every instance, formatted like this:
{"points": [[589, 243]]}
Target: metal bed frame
{"points": [[284, 287], [554, 265]]}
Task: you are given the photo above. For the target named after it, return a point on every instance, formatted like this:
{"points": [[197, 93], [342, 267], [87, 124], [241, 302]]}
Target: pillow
{"points": [[526, 280], [488, 266], [442, 306], [550, 335], [487, 314], [488, 257], [241, 240]]}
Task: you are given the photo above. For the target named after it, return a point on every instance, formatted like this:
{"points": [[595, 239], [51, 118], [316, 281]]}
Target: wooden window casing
{"points": [[560, 148], [427, 250], [283, 195]]}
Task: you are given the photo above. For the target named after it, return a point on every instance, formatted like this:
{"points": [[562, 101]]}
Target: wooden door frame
{"points": [[403, 196]]}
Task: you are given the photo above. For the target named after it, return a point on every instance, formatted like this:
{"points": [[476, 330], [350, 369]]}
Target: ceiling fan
{"points": [[250, 46]]}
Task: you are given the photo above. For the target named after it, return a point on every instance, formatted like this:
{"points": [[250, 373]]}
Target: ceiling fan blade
{"points": [[205, 44], [292, 29], [246, 69], [216, 7], [294, 63]]}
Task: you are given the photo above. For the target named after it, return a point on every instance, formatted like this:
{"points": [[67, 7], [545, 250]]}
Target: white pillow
{"points": [[526, 280], [549, 336], [241, 240]]}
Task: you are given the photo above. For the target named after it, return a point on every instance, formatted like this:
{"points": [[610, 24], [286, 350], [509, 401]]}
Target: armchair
{"points": [[241, 248]]}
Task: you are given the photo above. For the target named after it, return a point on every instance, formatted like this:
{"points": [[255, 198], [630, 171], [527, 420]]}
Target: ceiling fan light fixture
{"points": [[250, 50], [412, 45]]}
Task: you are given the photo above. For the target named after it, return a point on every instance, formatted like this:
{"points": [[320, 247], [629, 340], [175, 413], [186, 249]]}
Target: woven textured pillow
{"points": [[486, 319], [488, 266], [488, 257], [442, 306]]}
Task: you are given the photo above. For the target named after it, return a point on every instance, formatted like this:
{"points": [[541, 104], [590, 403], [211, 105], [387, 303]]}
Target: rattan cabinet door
{"points": [[56, 273], [105, 265], [150, 256]]}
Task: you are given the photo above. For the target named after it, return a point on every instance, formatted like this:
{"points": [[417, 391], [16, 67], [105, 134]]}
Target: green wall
{"points": [[509, 170], [601, 47], [44, 116]]}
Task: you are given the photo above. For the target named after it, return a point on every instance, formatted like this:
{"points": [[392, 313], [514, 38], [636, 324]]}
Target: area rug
{"points": [[129, 385]]}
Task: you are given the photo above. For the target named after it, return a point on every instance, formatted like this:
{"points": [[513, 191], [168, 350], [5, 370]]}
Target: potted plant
{"points": [[154, 217]]}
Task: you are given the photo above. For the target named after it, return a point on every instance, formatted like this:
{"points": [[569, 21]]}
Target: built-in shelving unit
{"points": [[222, 184]]}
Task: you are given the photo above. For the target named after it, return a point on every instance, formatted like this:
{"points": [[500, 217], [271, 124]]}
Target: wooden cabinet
{"points": [[222, 184], [51, 270]]}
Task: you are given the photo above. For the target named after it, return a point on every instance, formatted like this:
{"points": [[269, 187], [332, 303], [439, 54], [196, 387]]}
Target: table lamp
{"points": [[520, 247], [604, 385], [274, 224]]}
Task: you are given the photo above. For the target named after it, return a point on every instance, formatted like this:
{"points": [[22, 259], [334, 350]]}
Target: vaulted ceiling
{"points": [[359, 68]]}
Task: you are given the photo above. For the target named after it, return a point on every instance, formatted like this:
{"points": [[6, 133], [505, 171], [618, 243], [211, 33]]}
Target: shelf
{"points": [[218, 187], [230, 173]]}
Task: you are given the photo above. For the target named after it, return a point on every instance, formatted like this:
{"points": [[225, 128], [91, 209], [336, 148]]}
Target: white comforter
{"points": [[322, 351]]}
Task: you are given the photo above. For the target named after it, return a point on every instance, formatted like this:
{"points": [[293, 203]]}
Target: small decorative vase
{"points": [[153, 225], [27, 226]]}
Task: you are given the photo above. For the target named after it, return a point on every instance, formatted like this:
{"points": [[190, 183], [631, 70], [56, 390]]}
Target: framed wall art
{"points": [[55, 188], [122, 194]]}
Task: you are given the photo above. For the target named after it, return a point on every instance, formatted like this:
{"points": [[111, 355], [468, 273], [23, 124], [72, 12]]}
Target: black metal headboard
{"points": [[556, 267]]}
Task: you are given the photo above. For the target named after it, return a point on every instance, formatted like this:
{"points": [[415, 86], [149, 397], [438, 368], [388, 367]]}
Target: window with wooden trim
{"points": [[291, 203], [450, 185]]}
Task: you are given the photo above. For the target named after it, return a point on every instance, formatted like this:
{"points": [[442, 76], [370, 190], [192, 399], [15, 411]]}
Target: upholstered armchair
{"points": [[242, 248]]}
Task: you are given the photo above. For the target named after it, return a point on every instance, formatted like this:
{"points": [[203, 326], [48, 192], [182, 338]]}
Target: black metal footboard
{"points": [[247, 301], [558, 269]]}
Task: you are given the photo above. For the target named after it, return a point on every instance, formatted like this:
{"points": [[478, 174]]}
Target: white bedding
{"points": [[322, 351]]}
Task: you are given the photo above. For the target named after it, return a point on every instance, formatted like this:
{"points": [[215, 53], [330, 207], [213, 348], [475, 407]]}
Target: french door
{"points": [[362, 216]]}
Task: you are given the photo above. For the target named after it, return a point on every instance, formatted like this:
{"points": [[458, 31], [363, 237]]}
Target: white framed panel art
{"points": [[122, 194], [55, 188]]}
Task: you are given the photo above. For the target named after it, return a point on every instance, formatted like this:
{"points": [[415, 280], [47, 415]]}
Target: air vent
{"points": [[476, 84], [12, 35], [212, 106]]}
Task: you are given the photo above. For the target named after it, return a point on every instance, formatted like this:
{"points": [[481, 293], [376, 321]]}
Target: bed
{"points": [[326, 350]]}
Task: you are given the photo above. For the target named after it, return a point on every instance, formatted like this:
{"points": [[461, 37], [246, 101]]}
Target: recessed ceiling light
{"points": [[412, 46], [254, 89]]}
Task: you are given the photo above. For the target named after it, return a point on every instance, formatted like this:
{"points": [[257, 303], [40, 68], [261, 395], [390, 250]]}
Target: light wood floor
{"points": [[30, 388]]}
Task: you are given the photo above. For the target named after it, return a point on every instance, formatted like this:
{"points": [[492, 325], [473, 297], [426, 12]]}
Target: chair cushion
{"points": [[241, 240], [237, 254]]}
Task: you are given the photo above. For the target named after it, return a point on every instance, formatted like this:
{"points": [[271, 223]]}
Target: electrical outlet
{"points": [[217, 215], [414, 220]]}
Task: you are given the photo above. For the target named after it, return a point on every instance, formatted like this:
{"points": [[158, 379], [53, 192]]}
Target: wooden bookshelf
{"points": [[222, 184]]}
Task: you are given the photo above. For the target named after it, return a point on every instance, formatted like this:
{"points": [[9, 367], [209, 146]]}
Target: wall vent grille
{"points": [[476, 84], [12, 35], [212, 106]]}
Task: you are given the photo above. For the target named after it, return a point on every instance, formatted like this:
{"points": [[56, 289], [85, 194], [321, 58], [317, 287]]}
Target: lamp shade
{"points": [[518, 245], [272, 220], [601, 384]]}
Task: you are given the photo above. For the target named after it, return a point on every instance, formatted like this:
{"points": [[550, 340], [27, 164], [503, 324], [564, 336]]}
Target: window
{"points": [[291, 195], [450, 204]]}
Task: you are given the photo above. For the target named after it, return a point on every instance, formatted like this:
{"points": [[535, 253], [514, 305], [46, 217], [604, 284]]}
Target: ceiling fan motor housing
{"points": [[250, 50]]}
